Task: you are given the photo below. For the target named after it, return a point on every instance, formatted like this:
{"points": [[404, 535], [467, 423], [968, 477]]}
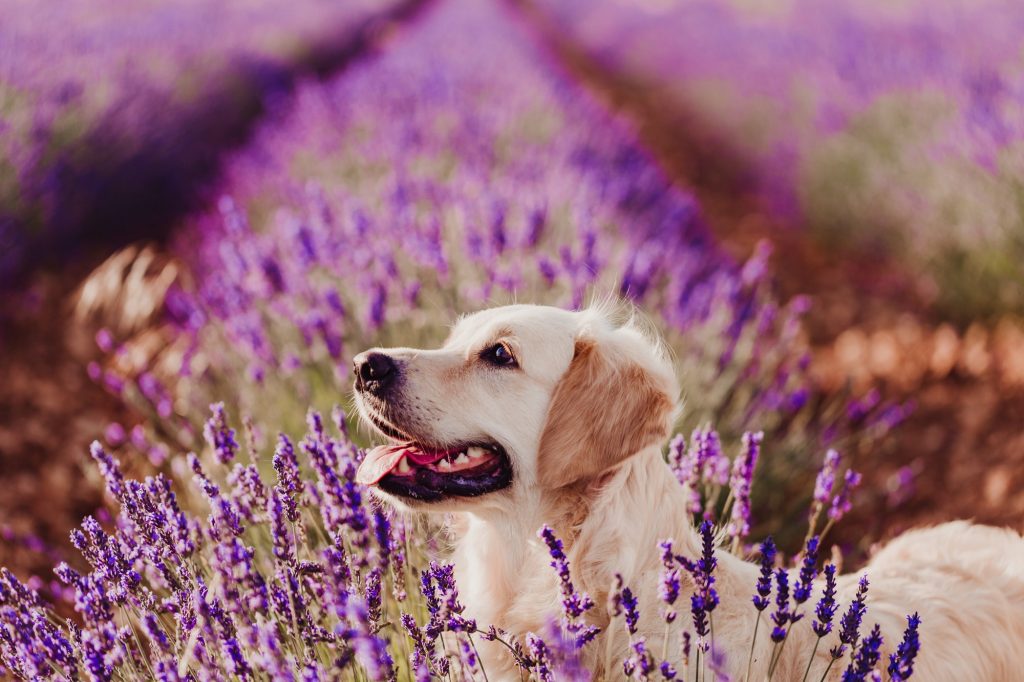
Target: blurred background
{"points": [[819, 202]]}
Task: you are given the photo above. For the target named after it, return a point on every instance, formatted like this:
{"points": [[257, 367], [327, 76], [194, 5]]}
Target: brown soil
{"points": [[50, 410]]}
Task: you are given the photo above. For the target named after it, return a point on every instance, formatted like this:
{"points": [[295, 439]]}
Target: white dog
{"points": [[532, 415]]}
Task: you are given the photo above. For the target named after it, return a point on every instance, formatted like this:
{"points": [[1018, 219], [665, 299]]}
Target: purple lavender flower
{"points": [[639, 664], [710, 458], [669, 582], [574, 603], [849, 624], [373, 596], [684, 464], [382, 532], [105, 340], [220, 437], [155, 633], [629, 606], [841, 503], [109, 468], [808, 570], [115, 434], [826, 479], [866, 657], [704, 599], [225, 514], [437, 584], [740, 484], [782, 616], [540, 657], [415, 633], [370, 650], [764, 581], [707, 563], [289, 483], [825, 610], [901, 663]]}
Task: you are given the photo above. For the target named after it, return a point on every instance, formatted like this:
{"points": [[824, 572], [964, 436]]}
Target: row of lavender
{"points": [[893, 127], [443, 176], [96, 95], [307, 579]]}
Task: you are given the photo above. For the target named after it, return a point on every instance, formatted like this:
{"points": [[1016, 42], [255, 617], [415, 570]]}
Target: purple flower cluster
{"points": [[574, 604], [789, 588], [829, 498], [901, 663], [305, 577], [285, 580], [782, 616], [849, 631], [704, 469], [205, 592], [764, 580], [808, 571], [740, 484], [219, 436], [825, 610], [704, 598], [865, 658]]}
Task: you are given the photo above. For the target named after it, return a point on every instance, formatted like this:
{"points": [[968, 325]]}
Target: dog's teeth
{"points": [[462, 459], [403, 466], [444, 464], [476, 453]]}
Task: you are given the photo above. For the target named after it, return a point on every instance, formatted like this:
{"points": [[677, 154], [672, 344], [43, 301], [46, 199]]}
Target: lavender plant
{"points": [[303, 576]]}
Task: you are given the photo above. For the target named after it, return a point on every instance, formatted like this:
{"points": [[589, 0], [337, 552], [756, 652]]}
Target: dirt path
{"points": [[50, 410], [961, 453]]}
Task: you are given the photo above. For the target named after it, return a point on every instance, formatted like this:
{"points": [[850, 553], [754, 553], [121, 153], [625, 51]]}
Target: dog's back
{"points": [[967, 583]]}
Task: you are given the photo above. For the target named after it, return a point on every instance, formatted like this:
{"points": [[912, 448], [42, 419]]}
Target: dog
{"points": [[531, 415]]}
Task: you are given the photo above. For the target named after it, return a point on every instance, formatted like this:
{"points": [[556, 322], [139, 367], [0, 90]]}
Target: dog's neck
{"points": [[614, 527]]}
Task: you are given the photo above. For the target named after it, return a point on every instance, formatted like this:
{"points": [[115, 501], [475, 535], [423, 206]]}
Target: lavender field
{"points": [[95, 98], [893, 129], [207, 210]]}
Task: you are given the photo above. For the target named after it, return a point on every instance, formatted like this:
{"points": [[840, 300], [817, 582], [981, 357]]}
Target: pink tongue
{"points": [[382, 459], [421, 457]]}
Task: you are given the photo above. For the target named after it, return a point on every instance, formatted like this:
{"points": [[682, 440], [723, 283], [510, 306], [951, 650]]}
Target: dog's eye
{"points": [[499, 355]]}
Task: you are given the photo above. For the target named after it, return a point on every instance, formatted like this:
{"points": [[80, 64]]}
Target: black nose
{"points": [[375, 372]]}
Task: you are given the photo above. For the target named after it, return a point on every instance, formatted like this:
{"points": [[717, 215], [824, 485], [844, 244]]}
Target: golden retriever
{"points": [[530, 415]]}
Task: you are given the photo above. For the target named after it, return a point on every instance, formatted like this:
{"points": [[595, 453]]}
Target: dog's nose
{"points": [[374, 371]]}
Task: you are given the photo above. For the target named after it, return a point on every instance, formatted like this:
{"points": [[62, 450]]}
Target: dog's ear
{"points": [[603, 410]]}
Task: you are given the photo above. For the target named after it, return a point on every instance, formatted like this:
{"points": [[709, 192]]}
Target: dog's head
{"points": [[519, 398]]}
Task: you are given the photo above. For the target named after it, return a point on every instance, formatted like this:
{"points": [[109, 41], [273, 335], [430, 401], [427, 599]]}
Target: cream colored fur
{"points": [[966, 581]]}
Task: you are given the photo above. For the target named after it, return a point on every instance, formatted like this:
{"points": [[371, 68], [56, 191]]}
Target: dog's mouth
{"points": [[427, 474]]}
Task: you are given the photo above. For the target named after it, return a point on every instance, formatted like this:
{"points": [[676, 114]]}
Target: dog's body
{"points": [[530, 416]]}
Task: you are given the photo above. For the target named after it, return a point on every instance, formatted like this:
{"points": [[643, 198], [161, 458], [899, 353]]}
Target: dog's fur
{"points": [[583, 419]]}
